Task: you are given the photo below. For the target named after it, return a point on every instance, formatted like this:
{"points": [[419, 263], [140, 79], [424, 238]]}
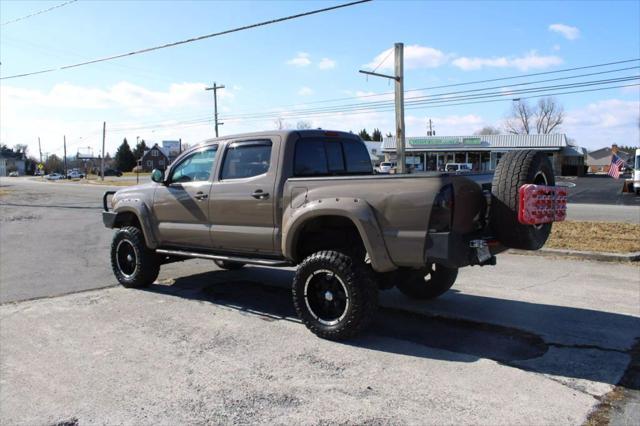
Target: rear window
{"points": [[331, 157]]}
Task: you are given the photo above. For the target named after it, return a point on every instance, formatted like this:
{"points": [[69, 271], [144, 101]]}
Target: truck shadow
{"points": [[436, 332]]}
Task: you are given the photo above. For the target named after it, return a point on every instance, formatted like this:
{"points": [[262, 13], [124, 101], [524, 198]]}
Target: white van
{"points": [[636, 173], [458, 167]]}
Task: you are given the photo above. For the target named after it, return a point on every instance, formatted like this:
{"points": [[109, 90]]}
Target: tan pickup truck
{"points": [[310, 198]]}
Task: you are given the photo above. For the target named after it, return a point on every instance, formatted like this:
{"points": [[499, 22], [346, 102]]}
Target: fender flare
{"points": [[358, 211], [139, 210]]}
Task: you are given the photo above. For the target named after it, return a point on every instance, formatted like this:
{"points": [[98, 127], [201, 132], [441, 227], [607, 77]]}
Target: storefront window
{"points": [[485, 161]]}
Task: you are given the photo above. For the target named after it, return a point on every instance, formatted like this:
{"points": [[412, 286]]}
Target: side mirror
{"points": [[157, 176]]}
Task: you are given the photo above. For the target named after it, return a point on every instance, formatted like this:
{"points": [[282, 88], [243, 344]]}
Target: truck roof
{"points": [[284, 134]]}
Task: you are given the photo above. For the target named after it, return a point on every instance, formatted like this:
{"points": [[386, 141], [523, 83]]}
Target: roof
{"points": [[282, 133], [154, 146], [602, 156], [554, 141]]}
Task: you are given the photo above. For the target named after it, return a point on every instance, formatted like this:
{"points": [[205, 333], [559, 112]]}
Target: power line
{"points": [[501, 98], [248, 115], [38, 12], [207, 121], [442, 102], [439, 98], [416, 98], [513, 77], [190, 40]]}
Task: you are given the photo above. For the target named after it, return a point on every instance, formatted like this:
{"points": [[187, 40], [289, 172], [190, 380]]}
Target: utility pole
{"points": [[65, 156], [104, 129], [40, 149], [430, 132], [215, 88], [399, 101]]}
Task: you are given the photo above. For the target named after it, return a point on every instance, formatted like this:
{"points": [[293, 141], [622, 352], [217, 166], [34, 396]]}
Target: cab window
{"points": [[195, 167], [330, 157], [246, 159]]}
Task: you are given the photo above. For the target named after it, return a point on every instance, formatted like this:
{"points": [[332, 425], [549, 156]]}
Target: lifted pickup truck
{"points": [[310, 198]]}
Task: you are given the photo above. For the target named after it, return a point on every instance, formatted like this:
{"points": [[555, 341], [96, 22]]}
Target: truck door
{"points": [[242, 198], [181, 206]]}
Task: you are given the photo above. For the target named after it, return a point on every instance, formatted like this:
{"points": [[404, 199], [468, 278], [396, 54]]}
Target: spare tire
{"points": [[517, 168]]}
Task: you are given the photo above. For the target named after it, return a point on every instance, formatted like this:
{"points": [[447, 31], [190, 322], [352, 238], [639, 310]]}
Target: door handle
{"points": [[200, 196], [260, 195]]}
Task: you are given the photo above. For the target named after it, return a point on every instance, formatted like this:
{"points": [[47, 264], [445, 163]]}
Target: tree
{"points": [[389, 134], [53, 164], [364, 135], [303, 124], [487, 130], [21, 149], [520, 120], [376, 135], [139, 150], [547, 116], [281, 124], [125, 160]]}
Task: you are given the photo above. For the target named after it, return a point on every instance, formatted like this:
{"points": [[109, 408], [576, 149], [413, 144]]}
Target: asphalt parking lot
{"points": [[533, 340], [599, 189]]}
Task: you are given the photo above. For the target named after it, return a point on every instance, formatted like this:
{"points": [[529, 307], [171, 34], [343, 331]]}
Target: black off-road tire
{"points": [[143, 265], [229, 265], [517, 168], [355, 278], [428, 283]]}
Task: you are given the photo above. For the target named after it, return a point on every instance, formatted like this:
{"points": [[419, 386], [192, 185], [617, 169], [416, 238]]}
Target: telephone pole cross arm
{"points": [[215, 88], [399, 101]]}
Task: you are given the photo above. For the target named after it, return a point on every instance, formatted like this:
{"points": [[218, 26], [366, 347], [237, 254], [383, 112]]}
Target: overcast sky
{"points": [[160, 95]]}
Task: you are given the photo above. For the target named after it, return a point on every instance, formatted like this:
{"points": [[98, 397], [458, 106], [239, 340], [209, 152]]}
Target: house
{"points": [[10, 164], [599, 161], [154, 158]]}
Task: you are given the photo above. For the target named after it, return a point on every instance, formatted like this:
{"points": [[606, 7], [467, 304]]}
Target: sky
{"points": [[299, 64]]}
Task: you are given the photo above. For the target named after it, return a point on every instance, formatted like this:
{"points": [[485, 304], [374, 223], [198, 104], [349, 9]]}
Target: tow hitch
{"points": [[483, 254], [542, 204]]}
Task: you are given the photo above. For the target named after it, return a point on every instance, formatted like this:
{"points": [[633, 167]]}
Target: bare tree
{"points": [[549, 115], [21, 148], [520, 119], [303, 124], [280, 123], [487, 130]]}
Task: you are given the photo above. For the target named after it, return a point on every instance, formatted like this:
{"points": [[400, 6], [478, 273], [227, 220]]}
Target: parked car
{"points": [[14, 174], [309, 198], [385, 167], [38, 173], [54, 176], [74, 174], [112, 172], [458, 167]]}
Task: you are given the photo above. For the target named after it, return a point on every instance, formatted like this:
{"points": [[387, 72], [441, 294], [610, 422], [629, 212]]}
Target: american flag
{"points": [[614, 168]]}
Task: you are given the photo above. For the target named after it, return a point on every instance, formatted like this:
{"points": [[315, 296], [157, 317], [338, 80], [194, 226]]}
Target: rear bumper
{"points": [[455, 250]]}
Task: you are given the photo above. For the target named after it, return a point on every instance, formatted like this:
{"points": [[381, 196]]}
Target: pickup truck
{"points": [[310, 199]]}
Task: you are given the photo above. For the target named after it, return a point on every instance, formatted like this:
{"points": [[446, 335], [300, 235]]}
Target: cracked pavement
{"points": [[532, 340]]}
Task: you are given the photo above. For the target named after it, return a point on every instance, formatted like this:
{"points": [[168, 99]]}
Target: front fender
{"points": [[142, 213], [357, 210]]}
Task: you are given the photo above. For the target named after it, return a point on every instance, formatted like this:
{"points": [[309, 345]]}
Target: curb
{"points": [[588, 255]]}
